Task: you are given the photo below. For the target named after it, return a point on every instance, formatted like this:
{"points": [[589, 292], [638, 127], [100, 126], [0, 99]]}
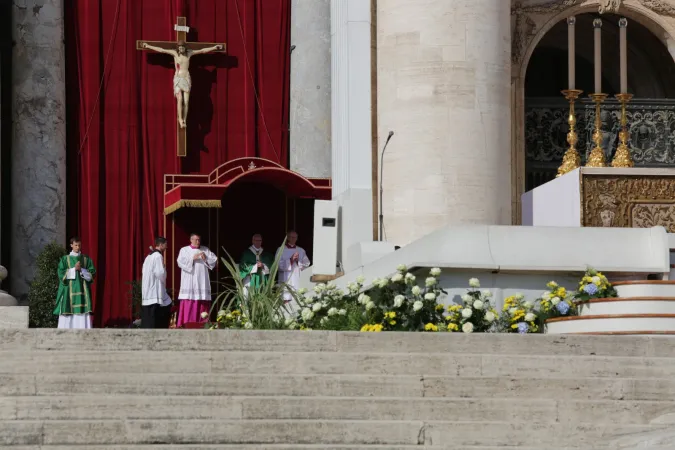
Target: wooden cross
{"points": [[181, 35]]}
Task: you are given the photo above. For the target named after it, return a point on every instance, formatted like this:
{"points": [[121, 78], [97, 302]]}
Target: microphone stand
{"points": [[391, 133]]}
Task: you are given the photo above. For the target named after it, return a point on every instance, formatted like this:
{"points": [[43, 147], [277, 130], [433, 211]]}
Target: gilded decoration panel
{"points": [[628, 201]]}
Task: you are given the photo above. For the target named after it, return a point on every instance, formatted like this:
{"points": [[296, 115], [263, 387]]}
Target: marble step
{"points": [[390, 434], [340, 342], [325, 363], [274, 447], [370, 386], [471, 410]]}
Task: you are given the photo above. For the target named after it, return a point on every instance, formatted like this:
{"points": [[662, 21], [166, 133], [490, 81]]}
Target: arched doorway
{"points": [[651, 114]]}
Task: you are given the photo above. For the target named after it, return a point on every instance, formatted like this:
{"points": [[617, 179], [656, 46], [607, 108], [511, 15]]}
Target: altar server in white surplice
{"points": [[195, 261], [292, 261]]}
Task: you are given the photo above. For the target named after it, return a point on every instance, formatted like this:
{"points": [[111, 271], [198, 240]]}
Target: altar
{"points": [[604, 197]]}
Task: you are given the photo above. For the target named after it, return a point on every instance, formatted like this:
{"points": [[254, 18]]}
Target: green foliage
{"points": [[262, 308], [43, 289]]}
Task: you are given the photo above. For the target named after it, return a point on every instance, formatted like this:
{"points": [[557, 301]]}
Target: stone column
{"points": [[444, 88], [310, 88], [39, 141], [351, 121]]}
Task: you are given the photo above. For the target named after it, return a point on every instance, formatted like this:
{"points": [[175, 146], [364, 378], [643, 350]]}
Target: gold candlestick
{"points": [[622, 156], [571, 159], [597, 155]]}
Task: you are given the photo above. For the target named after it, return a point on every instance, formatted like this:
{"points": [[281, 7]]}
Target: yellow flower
{"points": [[374, 327], [392, 322], [440, 307], [430, 327], [377, 327], [452, 327], [390, 315]]}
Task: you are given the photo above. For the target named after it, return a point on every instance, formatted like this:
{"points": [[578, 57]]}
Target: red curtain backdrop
{"points": [[122, 118]]}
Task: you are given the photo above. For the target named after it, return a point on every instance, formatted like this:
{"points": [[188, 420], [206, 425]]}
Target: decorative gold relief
{"points": [[628, 201]]}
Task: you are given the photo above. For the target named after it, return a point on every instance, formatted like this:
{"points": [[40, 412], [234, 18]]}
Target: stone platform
{"points": [[141, 389]]}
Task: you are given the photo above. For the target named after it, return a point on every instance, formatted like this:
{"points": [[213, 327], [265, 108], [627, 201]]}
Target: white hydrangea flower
{"points": [[348, 291], [317, 307], [342, 312], [398, 301], [363, 299], [519, 296], [332, 311], [330, 285], [486, 293], [292, 326], [478, 304], [221, 313], [382, 283], [302, 291], [553, 284], [435, 271], [288, 321], [474, 283], [417, 305], [430, 281], [360, 279], [467, 312], [319, 288], [248, 325], [306, 314], [513, 311], [370, 305], [396, 278], [429, 296], [490, 317], [529, 317], [409, 277], [555, 300], [528, 305], [205, 315], [376, 281], [595, 279], [466, 298], [546, 295], [467, 327], [416, 290], [401, 268]]}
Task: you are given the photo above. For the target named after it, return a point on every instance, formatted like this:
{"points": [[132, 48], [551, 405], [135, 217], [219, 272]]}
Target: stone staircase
{"points": [[189, 389]]}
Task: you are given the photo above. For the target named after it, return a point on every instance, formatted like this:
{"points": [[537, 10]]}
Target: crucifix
{"points": [[182, 51]]}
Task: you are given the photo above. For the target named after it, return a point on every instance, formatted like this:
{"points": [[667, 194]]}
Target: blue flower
{"points": [[562, 307], [523, 328], [591, 289]]}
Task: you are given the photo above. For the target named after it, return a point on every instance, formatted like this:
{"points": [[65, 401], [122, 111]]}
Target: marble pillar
{"points": [[39, 140], [351, 122], [444, 74], [310, 127]]}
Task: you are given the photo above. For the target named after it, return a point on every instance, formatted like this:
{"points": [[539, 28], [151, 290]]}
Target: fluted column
{"points": [[310, 88], [39, 140], [351, 119], [444, 88]]}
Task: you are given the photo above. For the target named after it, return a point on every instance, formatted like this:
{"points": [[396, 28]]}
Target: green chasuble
{"points": [[248, 261], [74, 296]]}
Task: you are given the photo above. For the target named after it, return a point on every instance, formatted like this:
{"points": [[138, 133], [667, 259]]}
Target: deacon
{"points": [[255, 263], [156, 305], [195, 261], [73, 299], [292, 261]]}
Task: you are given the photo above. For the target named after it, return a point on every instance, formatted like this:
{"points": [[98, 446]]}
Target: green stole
{"points": [[248, 261], [74, 296]]}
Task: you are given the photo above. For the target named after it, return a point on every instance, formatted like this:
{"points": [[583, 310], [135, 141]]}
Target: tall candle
{"points": [[570, 52], [597, 27], [623, 50]]}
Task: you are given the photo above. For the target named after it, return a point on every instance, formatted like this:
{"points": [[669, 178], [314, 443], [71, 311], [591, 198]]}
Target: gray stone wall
{"points": [[39, 139], [310, 120]]}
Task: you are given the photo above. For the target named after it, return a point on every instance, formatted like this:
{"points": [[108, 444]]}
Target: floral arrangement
{"points": [[518, 316], [594, 285], [556, 302], [327, 308], [475, 314], [230, 320]]}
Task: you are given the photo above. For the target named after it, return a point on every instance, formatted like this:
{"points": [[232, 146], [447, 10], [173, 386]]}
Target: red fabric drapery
{"points": [[121, 118]]}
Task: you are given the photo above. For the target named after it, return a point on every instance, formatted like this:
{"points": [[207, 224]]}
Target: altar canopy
{"points": [[121, 117]]}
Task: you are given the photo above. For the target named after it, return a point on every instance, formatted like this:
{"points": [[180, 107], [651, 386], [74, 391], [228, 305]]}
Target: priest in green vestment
{"points": [[255, 264], [73, 300]]}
